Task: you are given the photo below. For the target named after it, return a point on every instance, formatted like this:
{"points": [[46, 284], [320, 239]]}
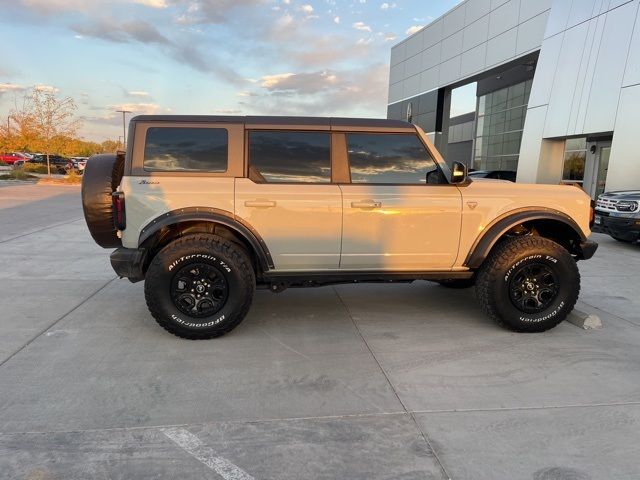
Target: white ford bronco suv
{"points": [[205, 209]]}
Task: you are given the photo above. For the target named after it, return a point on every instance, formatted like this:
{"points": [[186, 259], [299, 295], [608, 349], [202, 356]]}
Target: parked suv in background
{"points": [[618, 215], [206, 209], [58, 163]]}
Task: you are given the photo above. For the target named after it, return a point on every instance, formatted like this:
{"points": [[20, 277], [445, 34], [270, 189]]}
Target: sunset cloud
{"points": [[204, 56], [362, 26]]}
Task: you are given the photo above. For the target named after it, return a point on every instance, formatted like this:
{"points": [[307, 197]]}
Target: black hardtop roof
{"points": [[277, 120]]}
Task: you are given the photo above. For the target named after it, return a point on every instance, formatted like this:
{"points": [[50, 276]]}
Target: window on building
{"points": [[186, 149], [390, 159], [290, 157], [575, 158], [500, 121]]}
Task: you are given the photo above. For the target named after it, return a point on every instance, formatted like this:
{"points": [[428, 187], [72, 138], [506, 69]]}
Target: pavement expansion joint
{"points": [[411, 414]]}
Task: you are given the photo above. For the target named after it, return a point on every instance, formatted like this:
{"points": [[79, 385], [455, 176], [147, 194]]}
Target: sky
{"points": [[207, 57]]}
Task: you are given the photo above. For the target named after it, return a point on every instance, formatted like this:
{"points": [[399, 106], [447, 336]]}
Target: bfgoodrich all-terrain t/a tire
{"points": [[528, 284], [199, 286]]}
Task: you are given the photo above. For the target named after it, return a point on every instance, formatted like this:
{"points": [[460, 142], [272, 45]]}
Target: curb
{"points": [[586, 321]]}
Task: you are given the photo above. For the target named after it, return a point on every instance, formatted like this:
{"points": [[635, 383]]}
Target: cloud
{"points": [[112, 30], [387, 6], [330, 92], [138, 93], [362, 26], [152, 3], [300, 82], [10, 87], [413, 29], [140, 31], [211, 11], [46, 88], [336, 19], [111, 116], [135, 108], [55, 7]]}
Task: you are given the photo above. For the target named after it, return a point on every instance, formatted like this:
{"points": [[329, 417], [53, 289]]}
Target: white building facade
{"points": [[558, 87]]}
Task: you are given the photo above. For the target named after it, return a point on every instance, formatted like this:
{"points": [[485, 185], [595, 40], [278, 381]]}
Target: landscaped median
{"points": [[31, 174]]}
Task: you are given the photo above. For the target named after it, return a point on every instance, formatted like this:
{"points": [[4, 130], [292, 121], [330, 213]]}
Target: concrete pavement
{"points": [[360, 381]]}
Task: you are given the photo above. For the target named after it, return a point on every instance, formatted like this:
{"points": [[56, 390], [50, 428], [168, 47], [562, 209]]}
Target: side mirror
{"points": [[458, 172]]}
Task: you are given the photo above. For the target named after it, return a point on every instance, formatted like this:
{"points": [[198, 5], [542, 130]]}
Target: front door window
{"points": [[398, 213]]}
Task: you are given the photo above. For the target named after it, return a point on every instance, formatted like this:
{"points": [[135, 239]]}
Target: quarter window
{"points": [[289, 157], [390, 159], [186, 149]]}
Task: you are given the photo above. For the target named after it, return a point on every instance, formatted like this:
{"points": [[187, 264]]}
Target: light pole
{"points": [[124, 127]]}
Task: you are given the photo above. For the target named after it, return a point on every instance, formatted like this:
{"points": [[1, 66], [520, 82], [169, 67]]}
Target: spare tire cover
{"points": [[101, 178]]}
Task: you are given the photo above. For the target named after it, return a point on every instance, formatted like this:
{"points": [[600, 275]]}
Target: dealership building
{"points": [[557, 89]]}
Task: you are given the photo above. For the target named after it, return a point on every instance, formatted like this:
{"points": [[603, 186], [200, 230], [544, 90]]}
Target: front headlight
{"points": [[626, 206]]}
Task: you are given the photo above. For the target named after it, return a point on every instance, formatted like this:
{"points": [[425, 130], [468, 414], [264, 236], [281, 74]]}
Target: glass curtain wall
{"points": [[500, 122]]}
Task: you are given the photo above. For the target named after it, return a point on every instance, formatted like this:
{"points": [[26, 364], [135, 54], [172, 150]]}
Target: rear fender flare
{"points": [[213, 215]]}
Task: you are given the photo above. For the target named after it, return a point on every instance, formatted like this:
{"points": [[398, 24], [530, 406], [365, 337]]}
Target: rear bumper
{"points": [[623, 228], [129, 263]]}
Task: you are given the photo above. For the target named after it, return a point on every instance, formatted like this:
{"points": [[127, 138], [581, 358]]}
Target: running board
{"points": [[277, 282]]}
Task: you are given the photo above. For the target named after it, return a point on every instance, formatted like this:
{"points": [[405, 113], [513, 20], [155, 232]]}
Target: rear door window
{"points": [[289, 157], [186, 149]]}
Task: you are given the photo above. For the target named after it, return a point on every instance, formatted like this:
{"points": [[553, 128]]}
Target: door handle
{"points": [[260, 203], [366, 204]]}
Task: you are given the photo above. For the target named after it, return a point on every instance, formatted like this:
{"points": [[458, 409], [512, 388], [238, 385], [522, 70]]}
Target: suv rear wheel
{"points": [[199, 286], [528, 284]]}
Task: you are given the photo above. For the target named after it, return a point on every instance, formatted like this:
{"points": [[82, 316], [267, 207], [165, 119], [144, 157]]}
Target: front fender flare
{"points": [[496, 229]]}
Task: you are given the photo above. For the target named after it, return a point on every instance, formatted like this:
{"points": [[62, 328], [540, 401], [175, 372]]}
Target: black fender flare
{"points": [[213, 215], [501, 225]]}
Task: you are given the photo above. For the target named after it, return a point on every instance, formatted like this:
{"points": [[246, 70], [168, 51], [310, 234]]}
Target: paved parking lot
{"points": [[404, 381]]}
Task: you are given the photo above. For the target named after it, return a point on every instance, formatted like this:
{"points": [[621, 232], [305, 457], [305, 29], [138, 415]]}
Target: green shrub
{"points": [[17, 174], [36, 168]]}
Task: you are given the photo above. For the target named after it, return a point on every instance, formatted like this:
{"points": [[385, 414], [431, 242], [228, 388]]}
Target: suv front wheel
{"points": [[528, 284], [199, 286]]}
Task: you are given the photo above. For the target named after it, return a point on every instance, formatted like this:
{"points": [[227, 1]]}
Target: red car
{"points": [[11, 158]]}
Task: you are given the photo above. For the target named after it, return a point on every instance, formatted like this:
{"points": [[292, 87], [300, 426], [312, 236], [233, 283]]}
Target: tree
{"points": [[111, 146], [46, 122]]}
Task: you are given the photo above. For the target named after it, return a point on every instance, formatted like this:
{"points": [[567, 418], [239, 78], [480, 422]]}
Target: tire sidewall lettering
{"points": [[199, 256], [544, 317], [212, 323]]}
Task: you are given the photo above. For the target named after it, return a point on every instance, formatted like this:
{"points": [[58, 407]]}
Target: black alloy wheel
{"points": [[199, 290], [533, 288]]}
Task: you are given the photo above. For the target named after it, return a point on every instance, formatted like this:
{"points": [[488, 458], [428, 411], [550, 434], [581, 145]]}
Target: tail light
{"points": [[119, 216], [592, 213]]}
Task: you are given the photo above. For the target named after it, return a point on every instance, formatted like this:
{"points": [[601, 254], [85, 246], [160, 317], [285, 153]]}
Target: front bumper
{"points": [[129, 263], [624, 228], [587, 249]]}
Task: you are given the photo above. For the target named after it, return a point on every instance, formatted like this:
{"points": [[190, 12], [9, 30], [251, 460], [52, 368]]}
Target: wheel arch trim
{"points": [[501, 225], [212, 215]]}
